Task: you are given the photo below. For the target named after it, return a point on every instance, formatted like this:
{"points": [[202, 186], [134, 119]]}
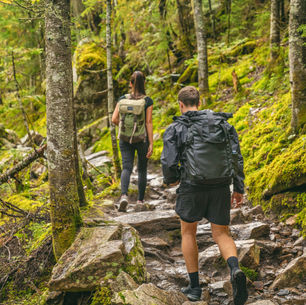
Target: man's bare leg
{"points": [[224, 241], [189, 245], [190, 252], [228, 250]]}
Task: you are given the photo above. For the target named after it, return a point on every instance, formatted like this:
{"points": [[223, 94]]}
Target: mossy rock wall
{"points": [[91, 84]]}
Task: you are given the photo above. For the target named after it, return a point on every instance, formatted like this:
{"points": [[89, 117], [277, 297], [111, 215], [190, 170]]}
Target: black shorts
{"points": [[213, 203]]}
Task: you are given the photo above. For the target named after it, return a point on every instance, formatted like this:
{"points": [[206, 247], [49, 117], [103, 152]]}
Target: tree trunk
{"points": [[229, 11], [81, 193], [297, 63], [110, 95], [274, 29], [64, 208], [202, 47], [77, 9], [185, 25], [213, 21]]}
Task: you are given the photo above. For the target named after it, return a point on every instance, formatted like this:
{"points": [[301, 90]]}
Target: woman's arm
{"points": [[149, 126], [115, 118]]}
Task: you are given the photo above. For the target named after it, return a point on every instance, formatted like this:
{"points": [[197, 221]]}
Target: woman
{"points": [[144, 148]]}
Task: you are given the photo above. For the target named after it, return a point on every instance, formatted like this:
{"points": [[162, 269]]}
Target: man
{"points": [[198, 200]]}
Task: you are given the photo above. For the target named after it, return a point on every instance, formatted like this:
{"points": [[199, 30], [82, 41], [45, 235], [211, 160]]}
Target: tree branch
{"points": [[23, 164]]}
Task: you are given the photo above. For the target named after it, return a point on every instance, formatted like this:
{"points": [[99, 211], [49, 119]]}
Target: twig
{"points": [[101, 92], [94, 167], [9, 252], [25, 117]]}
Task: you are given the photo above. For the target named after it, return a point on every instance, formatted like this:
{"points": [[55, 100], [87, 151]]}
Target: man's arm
{"points": [[170, 157]]}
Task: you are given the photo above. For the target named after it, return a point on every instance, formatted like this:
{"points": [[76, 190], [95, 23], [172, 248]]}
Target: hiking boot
{"points": [[123, 203], [240, 293], [193, 294]]}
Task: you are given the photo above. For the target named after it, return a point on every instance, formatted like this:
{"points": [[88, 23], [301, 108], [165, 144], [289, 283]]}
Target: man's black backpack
{"points": [[208, 157]]}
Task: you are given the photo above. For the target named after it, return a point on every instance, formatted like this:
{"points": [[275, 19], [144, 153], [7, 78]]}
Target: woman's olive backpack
{"points": [[132, 125]]}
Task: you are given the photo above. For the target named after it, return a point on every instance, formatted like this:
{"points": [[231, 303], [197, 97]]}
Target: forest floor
{"points": [[265, 247]]}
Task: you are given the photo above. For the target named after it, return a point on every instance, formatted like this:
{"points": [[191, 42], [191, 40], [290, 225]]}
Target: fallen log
{"points": [[23, 164]]}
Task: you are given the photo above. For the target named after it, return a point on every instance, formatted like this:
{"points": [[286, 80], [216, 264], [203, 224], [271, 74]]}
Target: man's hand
{"points": [[171, 184], [150, 151], [237, 200]]}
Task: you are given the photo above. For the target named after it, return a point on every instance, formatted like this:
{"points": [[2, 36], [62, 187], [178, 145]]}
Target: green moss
{"points": [[102, 296], [251, 274], [135, 262]]}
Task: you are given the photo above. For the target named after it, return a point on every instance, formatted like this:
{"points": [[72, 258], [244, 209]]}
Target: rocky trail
{"points": [[271, 253]]}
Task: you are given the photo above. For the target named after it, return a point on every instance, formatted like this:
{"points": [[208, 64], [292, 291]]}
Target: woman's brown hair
{"points": [[138, 81]]}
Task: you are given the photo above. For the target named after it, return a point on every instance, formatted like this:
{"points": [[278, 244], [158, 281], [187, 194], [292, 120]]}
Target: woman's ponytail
{"points": [[138, 81]]}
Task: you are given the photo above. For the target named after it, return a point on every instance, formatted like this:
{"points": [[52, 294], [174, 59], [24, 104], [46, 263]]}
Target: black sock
{"points": [[233, 263], [194, 279]]}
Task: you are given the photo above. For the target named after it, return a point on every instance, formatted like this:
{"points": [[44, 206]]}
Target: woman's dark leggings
{"points": [[128, 154]]}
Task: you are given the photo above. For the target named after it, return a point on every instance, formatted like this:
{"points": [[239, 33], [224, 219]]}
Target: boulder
{"points": [[148, 294], [293, 274], [237, 216], [251, 230], [157, 182], [151, 221], [248, 255], [98, 159], [97, 254], [221, 287], [92, 132], [122, 282], [36, 137]]}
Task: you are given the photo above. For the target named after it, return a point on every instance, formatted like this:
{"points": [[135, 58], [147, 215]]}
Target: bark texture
{"points": [[202, 47], [213, 19], [297, 63], [185, 21], [65, 215], [110, 96], [274, 29]]}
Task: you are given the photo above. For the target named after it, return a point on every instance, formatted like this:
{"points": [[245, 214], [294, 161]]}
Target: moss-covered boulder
{"points": [[99, 254], [91, 81]]}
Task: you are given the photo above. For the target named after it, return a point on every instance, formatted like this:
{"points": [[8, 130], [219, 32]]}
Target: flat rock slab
{"points": [[154, 242], [252, 230], [292, 275], [263, 302], [151, 221], [96, 253], [248, 255], [149, 294]]}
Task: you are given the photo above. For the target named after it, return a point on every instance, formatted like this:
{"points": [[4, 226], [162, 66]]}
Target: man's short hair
{"points": [[189, 96]]}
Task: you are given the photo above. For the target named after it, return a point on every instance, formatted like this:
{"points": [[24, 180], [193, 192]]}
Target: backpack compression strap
{"points": [[121, 125], [134, 129]]}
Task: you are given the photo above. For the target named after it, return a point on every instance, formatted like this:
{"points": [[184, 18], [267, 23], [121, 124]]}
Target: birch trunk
{"points": [[297, 63], [202, 47], [110, 95], [274, 29], [64, 209]]}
